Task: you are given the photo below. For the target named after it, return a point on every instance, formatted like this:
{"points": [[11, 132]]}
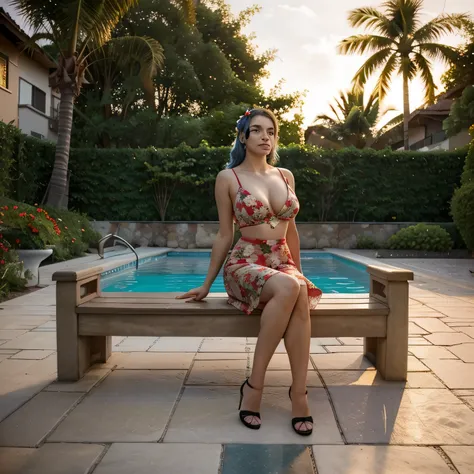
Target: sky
{"points": [[306, 33]]}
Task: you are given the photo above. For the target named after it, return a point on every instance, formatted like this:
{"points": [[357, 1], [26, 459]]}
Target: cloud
{"points": [[301, 9], [324, 45]]}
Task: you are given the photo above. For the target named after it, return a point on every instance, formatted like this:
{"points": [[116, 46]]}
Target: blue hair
{"points": [[238, 151]]}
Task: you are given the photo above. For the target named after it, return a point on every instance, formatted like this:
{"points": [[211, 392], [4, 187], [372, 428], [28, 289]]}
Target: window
{"points": [[3, 71], [31, 95]]}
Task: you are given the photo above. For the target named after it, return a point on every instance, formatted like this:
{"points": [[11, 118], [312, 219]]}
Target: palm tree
{"points": [[353, 123], [79, 29], [400, 45]]}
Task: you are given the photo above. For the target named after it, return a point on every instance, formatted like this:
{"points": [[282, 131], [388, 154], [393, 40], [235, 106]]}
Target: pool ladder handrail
{"points": [[103, 241]]}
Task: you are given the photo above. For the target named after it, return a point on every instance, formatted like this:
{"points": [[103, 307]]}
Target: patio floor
{"points": [[169, 405]]}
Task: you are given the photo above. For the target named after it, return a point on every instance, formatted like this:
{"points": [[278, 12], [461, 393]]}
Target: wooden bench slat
{"points": [[172, 295], [173, 301], [198, 309], [228, 325]]}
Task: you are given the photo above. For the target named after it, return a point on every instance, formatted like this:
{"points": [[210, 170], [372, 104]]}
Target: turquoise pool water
{"points": [[180, 271]]}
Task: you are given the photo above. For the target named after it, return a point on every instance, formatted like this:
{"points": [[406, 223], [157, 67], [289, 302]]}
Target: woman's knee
{"points": [[301, 308], [283, 287]]}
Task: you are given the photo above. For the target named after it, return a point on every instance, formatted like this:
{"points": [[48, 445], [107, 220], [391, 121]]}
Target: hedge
{"points": [[345, 185]]}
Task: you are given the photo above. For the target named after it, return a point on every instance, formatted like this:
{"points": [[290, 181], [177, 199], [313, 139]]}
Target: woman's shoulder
{"points": [[286, 172]]}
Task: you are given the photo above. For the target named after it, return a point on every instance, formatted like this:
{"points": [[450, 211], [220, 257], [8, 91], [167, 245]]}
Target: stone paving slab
{"points": [[223, 344], [274, 459], [464, 351], [136, 344], [454, 373], [20, 380], [28, 426], [378, 460], [448, 338], [342, 361], [34, 340], [6, 334], [462, 457], [30, 354], [432, 325], [167, 458], [129, 406], [392, 415], [418, 341], [372, 378], [176, 344], [153, 360], [90, 379], [337, 349], [431, 352], [281, 362], [209, 415], [21, 322], [50, 459]]}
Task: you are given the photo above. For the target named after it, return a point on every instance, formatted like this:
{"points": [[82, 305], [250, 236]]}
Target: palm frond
{"points": [[128, 51], [326, 119], [372, 19], [405, 14], [394, 121], [438, 52], [361, 44], [372, 63], [440, 25], [383, 82], [424, 67]]}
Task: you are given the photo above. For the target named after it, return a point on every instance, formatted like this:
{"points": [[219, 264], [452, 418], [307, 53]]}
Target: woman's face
{"points": [[262, 137]]}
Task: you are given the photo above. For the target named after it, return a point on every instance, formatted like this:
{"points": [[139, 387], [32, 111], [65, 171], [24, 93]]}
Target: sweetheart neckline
{"points": [[288, 187]]}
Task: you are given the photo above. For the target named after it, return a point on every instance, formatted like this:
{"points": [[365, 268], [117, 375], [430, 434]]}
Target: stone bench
{"points": [[87, 319]]}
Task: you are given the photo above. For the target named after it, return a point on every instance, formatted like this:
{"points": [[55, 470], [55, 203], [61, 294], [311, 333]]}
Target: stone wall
{"points": [[192, 235]]}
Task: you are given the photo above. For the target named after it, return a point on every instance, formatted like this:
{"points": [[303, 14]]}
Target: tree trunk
{"points": [[57, 196], [406, 112]]}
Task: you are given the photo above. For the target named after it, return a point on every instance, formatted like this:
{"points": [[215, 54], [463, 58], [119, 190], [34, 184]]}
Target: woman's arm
{"points": [[223, 241], [225, 236], [292, 236]]}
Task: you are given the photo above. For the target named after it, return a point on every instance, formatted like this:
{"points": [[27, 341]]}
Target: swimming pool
{"points": [[181, 271]]}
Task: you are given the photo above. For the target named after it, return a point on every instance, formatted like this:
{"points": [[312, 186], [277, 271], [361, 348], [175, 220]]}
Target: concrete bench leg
{"points": [[75, 353], [370, 348], [392, 352], [101, 348]]}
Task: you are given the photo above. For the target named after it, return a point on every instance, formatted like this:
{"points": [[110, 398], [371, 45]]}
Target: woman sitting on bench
{"points": [[264, 267]]}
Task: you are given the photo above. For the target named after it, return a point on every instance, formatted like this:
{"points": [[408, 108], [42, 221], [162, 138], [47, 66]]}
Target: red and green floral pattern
{"points": [[251, 263]]}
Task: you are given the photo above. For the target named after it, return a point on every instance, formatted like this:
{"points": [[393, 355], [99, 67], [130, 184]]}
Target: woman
{"points": [[264, 267]]}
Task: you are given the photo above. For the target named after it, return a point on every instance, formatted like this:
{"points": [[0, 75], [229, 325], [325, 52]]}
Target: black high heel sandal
{"points": [[301, 419], [245, 413]]}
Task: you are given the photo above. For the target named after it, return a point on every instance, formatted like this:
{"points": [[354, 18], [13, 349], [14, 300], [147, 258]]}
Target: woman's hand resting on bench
{"points": [[196, 294]]}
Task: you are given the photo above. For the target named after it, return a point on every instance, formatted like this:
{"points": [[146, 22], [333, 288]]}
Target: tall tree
{"points": [[401, 45], [77, 28], [461, 72], [353, 123]]}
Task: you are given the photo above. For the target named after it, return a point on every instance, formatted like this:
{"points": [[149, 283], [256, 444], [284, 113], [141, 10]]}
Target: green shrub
{"points": [[462, 203], [9, 135], [462, 207], [75, 230], [367, 242], [27, 227], [11, 270], [421, 237], [77, 234]]}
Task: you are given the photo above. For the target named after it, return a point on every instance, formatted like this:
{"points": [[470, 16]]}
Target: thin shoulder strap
{"points": [[238, 180], [283, 176]]}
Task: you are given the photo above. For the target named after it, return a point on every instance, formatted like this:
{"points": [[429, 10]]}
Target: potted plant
{"points": [[31, 235]]}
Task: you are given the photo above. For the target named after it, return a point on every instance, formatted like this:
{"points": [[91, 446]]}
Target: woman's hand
{"points": [[196, 294]]}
